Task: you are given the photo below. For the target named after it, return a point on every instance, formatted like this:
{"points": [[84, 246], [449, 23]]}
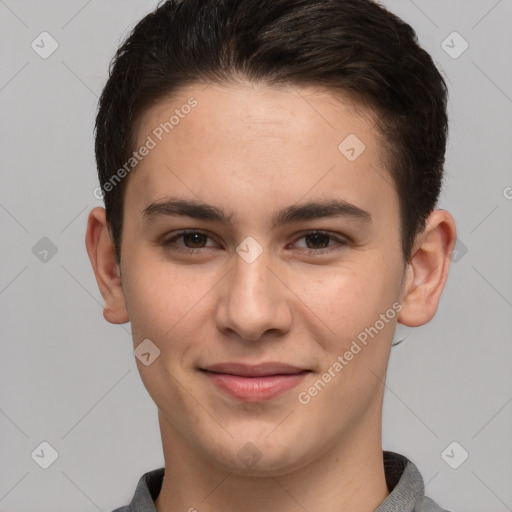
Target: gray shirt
{"points": [[404, 481]]}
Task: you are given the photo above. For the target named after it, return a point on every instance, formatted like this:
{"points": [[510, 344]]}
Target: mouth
{"points": [[254, 383]]}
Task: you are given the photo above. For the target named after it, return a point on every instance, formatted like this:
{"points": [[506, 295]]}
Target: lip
{"points": [[254, 383]]}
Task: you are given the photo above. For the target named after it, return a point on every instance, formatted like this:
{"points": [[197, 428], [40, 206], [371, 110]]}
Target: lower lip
{"points": [[255, 389]]}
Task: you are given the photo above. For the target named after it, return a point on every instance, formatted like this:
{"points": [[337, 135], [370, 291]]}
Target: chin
{"points": [[257, 455]]}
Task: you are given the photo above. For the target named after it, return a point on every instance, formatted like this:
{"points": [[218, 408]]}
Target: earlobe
{"points": [[427, 270], [101, 252]]}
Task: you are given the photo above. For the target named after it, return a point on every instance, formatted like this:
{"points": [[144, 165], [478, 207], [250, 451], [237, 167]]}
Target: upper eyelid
{"points": [[334, 236]]}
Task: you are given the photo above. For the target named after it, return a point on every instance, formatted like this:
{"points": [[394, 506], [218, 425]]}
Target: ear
{"points": [[427, 270], [103, 259]]}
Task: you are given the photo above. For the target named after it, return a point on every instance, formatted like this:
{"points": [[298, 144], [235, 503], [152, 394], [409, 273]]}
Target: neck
{"points": [[348, 476]]}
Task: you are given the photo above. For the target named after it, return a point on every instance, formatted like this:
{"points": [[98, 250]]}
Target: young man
{"points": [[270, 170]]}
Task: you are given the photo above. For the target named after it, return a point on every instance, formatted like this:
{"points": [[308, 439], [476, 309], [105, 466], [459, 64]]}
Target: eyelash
{"points": [[341, 243]]}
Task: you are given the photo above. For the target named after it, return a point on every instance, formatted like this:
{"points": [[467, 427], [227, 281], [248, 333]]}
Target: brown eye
{"points": [[317, 242], [318, 239], [193, 241]]}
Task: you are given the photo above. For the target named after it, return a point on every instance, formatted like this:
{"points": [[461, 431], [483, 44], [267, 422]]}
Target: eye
{"points": [[194, 241], [321, 238]]}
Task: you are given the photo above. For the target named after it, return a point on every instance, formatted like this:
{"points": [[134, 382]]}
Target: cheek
{"points": [[154, 298], [163, 300], [351, 302]]}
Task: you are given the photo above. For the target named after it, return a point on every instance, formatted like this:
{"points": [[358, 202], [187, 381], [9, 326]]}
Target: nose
{"points": [[254, 302]]}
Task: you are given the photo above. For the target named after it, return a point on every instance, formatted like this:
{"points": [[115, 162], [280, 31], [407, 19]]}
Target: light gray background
{"points": [[69, 378]]}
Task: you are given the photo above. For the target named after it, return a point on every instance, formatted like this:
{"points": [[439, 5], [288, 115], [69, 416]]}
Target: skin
{"points": [[253, 150]]}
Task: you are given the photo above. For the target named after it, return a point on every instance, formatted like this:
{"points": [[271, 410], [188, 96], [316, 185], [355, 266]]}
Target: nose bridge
{"points": [[253, 300]]}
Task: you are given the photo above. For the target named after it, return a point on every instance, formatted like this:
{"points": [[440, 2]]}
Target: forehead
{"points": [[260, 114], [260, 142]]}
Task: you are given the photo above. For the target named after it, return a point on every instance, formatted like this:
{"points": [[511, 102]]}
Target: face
{"points": [[274, 313]]}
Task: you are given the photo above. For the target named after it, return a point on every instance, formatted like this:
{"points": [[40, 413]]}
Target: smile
{"points": [[254, 383]]}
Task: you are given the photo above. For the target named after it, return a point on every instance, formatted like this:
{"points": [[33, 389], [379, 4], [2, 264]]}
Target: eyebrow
{"points": [[309, 211]]}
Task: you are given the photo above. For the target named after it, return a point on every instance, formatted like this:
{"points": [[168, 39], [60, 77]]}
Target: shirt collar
{"points": [[404, 482]]}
